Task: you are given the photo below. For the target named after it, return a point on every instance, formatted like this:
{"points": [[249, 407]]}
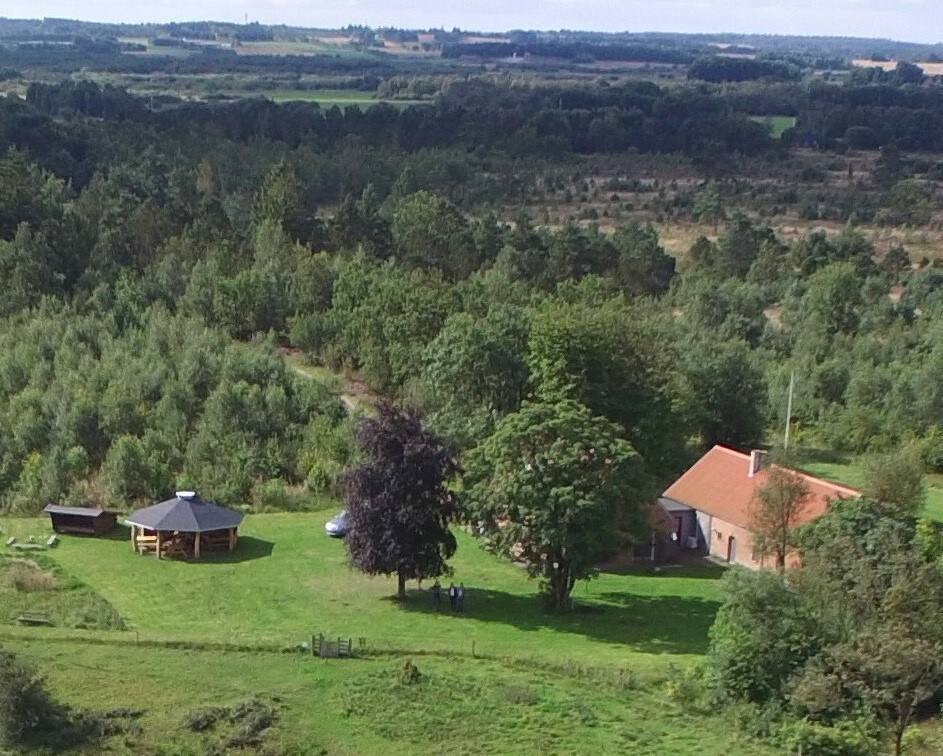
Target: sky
{"points": [[908, 20]]}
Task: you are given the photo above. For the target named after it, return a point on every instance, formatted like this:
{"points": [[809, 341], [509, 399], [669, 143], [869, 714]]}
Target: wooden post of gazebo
{"points": [[196, 546], [134, 540], [232, 539], [158, 544]]}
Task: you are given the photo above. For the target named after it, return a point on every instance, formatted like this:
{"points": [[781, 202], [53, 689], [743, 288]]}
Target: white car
{"points": [[338, 526]]}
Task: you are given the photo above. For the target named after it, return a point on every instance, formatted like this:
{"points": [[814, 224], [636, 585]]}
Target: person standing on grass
{"points": [[436, 594], [453, 595], [460, 597]]}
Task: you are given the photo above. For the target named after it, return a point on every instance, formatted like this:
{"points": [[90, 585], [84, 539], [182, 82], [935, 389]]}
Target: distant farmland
{"points": [[929, 69], [327, 98]]}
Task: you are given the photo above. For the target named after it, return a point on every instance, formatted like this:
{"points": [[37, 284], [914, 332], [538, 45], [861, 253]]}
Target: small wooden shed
{"points": [[81, 520], [185, 525]]}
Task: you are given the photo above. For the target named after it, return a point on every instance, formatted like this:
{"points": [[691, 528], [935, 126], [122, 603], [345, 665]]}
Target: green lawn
{"points": [[778, 124], [287, 580], [503, 678], [852, 474]]}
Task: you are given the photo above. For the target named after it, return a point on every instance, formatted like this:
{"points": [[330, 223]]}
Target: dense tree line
{"points": [[101, 406], [418, 297], [581, 51], [719, 68]]}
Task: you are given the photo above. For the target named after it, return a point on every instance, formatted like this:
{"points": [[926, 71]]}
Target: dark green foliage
{"points": [[727, 389], [855, 634], [642, 266], [764, 633], [598, 352], [721, 68], [896, 480], [26, 708], [160, 401], [398, 500], [428, 232], [475, 373]]}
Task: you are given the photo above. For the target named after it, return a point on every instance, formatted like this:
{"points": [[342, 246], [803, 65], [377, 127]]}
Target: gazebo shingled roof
{"points": [[187, 513]]}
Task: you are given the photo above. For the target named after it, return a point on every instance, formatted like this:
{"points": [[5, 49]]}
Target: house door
{"points": [[731, 549], [678, 529]]}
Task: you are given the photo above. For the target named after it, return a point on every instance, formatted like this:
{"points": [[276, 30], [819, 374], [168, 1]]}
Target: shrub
{"points": [[97, 614], [411, 673], [687, 686], [843, 739], [270, 495], [205, 719]]}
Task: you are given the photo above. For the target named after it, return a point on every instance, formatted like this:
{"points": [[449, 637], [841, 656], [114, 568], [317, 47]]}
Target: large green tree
{"points": [[557, 488]]}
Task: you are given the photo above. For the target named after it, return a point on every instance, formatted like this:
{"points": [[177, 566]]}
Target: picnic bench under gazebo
{"points": [[184, 526]]}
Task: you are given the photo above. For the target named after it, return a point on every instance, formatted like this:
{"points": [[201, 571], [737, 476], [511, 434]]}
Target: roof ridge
{"points": [[729, 450]]}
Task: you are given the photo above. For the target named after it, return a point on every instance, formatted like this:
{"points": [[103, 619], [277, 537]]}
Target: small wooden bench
{"points": [[33, 618]]}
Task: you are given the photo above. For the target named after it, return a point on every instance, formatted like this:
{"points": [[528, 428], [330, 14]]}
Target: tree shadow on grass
{"points": [[697, 569], [247, 549], [650, 624]]}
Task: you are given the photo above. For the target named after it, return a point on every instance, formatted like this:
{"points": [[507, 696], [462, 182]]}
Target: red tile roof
{"points": [[719, 484]]}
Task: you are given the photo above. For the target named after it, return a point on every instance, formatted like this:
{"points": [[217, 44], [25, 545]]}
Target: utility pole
{"points": [[792, 385]]}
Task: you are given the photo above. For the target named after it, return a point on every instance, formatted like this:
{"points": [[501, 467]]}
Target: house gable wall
{"points": [[719, 534]]}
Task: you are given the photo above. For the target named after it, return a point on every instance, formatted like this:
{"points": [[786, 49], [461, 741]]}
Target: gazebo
{"points": [[183, 526]]}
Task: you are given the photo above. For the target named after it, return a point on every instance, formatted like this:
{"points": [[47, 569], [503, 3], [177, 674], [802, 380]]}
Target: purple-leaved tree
{"points": [[398, 501]]}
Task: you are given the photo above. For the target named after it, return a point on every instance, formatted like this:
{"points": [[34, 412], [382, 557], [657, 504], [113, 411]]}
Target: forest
{"points": [[641, 254]]}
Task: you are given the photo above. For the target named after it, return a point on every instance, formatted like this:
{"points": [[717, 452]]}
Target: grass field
{"points": [[777, 124], [327, 98], [287, 580], [851, 474], [361, 706], [503, 678]]}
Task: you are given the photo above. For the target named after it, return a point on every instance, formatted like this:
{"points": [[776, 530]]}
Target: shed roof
{"points": [[80, 511], [187, 513], [719, 483]]}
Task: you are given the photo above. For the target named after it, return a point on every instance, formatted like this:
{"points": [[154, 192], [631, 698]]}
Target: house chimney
{"points": [[757, 457]]}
